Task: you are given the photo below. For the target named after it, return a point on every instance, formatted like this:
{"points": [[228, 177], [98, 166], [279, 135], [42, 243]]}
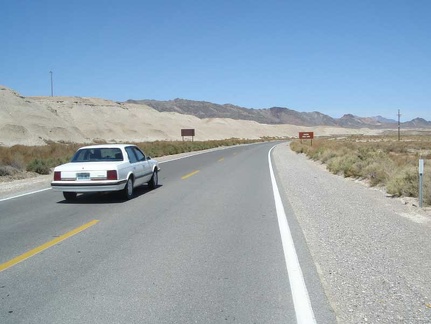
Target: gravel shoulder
{"points": [[372, 252]]}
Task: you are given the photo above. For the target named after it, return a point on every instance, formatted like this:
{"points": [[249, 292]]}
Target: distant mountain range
{"points": [[275, 115], [37, 120]]}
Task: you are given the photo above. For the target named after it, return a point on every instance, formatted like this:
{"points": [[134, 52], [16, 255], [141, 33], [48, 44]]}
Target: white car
{"points": [[110, 167]]}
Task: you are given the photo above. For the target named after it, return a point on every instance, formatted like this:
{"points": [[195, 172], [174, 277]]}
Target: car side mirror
{"points": [[148, 158]]}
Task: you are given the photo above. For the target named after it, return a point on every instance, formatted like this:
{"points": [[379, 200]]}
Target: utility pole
{"points": [[399, 125], [52, 87]]}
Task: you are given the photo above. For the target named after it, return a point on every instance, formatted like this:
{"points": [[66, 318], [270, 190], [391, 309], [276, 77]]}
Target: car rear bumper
{"points": [[88, 186]]}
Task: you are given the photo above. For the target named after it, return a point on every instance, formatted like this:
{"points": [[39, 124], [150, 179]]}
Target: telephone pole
{"points": [[399, 125], [52, 87]]}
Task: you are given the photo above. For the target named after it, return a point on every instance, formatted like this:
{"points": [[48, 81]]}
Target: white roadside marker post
{"points": [[421, 174]]}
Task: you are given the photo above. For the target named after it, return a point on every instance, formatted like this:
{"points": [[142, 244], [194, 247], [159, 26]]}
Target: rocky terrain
{"points": [[276, 115]]}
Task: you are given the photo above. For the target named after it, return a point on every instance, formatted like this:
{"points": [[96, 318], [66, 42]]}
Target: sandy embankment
{"points": [[34, 120]]}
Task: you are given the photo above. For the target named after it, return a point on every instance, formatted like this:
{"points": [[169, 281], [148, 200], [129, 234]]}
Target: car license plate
{"points": [[83, 176]]}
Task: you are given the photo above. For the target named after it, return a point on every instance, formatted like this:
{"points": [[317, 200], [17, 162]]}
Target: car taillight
{"points": [[57, 176], [111, 175]]}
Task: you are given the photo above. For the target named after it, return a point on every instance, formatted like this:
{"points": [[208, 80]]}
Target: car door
{"points": [[148, 171], [136, 166], [140, 165]]}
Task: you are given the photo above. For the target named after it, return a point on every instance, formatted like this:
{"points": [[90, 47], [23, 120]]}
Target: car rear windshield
{"points": [[98, 155]]}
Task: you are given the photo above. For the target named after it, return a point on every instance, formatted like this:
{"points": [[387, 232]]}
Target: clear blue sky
{"points": [[365, 57]]}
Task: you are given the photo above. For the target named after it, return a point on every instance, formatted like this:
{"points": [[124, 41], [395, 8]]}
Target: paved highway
{"points": [[204, 247]]}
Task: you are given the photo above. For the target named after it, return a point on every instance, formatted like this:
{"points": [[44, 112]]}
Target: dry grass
{"points": [[382, 161], [41, 159]]}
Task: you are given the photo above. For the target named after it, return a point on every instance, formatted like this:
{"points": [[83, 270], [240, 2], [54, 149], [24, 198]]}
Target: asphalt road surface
{"points": [[204, 247], [212, 244]]}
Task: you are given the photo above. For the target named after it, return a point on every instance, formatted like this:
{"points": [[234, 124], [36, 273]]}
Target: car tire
{"points": [[69, 196], [128, 189], [154, 182]]}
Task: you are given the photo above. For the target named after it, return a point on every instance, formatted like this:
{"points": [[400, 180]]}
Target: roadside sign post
{"points": [[188, 132], [421, 175], [306, 135]]}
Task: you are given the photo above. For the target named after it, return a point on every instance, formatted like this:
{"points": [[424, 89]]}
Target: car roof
{"points": [[107, 146]]}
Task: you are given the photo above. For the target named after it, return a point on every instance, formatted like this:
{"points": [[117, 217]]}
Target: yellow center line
{"points": [[222, 159], [189, 175], [45, 246]]}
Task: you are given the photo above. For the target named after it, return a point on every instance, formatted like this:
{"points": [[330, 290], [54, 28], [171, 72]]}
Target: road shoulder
{"points": [[370, 250]]}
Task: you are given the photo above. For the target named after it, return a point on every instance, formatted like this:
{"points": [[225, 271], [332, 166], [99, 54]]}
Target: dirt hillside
{"points": [[34, 120]]}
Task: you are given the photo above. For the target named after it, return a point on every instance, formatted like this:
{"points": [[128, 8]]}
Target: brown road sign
{"points": [[188, 132], [306, 135]]}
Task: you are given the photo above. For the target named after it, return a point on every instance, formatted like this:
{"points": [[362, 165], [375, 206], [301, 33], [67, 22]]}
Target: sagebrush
{"points": [[41, 159], [382, 161]]}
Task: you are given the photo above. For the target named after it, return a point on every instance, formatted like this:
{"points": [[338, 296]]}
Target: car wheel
{"points": [[69, 195], [128, 189], [154, 180]]}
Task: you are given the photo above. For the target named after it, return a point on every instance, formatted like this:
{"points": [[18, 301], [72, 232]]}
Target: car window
{"points": [[98, 155], [139, 154], [88, 155], [80, 156], [116, 154], [131, 154], [111, 154]]}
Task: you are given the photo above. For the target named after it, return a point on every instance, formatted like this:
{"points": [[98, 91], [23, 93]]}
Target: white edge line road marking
{"points": [[174, 159], [301, 299], [206, 151], [33, 192], [25, 194], [45, 189]]}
